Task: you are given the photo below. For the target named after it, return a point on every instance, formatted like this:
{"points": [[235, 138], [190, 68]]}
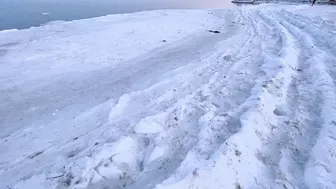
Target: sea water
{"points": [[20, 14]]}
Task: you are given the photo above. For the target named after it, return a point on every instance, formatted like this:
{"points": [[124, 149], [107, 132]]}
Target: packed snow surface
{"points": [[160, 100]]}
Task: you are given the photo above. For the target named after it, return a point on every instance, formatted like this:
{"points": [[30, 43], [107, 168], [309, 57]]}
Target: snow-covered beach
{"points": [[172, 99]]}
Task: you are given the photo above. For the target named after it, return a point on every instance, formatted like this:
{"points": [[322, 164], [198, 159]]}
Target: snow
{"points": [[148, 126], [157, 153], [153, 100]]}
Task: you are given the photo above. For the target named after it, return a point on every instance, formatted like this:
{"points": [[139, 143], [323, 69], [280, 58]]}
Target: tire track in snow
{"points": [[285, 80], [302, 120], [257, 103], [292, 131], [320, 131], [220, 121], [270, 96], [322, 37], [275, 137], [314, 24]]}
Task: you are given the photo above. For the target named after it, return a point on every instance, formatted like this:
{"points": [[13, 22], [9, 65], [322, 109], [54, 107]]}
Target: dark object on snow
{"points": [[58, 176], [32, 156], [213, 31], [164, 40], [328, 2], [242, 2], [245, 2]]}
